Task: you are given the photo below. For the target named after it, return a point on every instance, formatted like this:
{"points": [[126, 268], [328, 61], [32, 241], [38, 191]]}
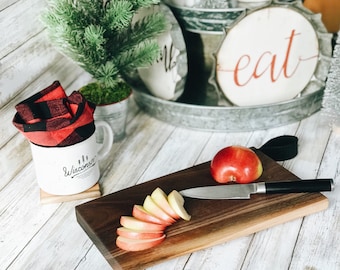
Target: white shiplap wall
{"points": [[28, 63]]}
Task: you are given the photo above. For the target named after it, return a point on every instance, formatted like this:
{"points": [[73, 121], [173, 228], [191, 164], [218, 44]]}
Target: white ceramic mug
{"points": [[71, 169]]}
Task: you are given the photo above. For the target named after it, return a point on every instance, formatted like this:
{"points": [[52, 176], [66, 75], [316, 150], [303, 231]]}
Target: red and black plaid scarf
{"points": [[50, 118]]}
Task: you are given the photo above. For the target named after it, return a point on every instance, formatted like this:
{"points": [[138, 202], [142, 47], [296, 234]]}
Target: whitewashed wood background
{"points": [[33, 236], [28, 63]]}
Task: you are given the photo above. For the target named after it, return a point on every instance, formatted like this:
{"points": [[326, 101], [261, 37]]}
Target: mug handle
{"points": [[108, 138]]}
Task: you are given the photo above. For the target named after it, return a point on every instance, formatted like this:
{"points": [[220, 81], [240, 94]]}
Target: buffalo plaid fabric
{"points": [[50, 118]]}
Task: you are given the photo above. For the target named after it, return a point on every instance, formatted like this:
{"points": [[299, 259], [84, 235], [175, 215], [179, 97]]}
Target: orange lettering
{"points": [[267, 62], [236, 70], [256, 74], [285, 63]]}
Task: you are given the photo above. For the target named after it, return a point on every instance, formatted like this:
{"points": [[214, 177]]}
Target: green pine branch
{"points": [[145, 29], [100, 37], [141, 55]]}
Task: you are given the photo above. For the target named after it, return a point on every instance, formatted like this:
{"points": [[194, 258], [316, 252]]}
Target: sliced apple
{"points": [[136, 224], [161, 199], [150, 206], [130, 244], [145, 228], [140, 213], [176, 201], [133, 234]]}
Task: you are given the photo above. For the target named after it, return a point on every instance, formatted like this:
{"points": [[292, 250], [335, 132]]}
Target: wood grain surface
{"points": [[213, 221], [91, 193], [47, 236]]}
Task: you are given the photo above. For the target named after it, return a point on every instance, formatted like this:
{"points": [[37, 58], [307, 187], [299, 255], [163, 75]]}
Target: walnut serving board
{"points": [[213, 221]]}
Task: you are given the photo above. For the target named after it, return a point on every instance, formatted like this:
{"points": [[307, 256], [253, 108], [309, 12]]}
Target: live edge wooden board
{"points": [[213, 221]]}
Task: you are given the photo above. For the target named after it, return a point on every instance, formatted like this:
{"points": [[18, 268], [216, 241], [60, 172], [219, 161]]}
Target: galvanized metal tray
{"points": [[230, 119], [204, 107]]}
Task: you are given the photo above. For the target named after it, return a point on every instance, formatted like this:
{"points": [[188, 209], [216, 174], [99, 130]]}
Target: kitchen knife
{"points": [[243, 191]]}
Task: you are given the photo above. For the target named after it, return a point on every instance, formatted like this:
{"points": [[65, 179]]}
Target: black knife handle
{"points": [[300, 186]]}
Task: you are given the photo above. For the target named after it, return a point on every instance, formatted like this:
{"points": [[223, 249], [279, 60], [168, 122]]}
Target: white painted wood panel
{"points": [[318, 245], [35, 236], [19, 23], [24, 65], [6, 3]]}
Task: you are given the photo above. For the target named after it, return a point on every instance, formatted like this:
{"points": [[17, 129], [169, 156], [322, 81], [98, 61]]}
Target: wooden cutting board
{"points": [[213, 221]]}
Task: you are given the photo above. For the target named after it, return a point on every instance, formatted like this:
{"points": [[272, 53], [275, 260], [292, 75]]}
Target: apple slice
{"points": [[130, 244], [133, 234], [176, 201], [136, 224], [150, 206], [161, 199], [140, 213]]}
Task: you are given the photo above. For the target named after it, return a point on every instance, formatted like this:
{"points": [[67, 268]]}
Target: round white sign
{"points": [[267, 57]]}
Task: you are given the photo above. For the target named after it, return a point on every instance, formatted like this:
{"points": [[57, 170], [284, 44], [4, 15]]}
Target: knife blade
{"points": [[243, 191]]}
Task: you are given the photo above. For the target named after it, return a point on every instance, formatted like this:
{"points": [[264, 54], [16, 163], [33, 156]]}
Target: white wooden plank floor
{"points": [[35, 236]]}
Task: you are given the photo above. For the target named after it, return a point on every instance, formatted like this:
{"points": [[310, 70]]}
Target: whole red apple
{"points": [[236, 164]]}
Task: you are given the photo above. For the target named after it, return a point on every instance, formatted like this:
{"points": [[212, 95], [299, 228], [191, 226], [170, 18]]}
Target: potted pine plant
{"points": [[103, 38]]}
